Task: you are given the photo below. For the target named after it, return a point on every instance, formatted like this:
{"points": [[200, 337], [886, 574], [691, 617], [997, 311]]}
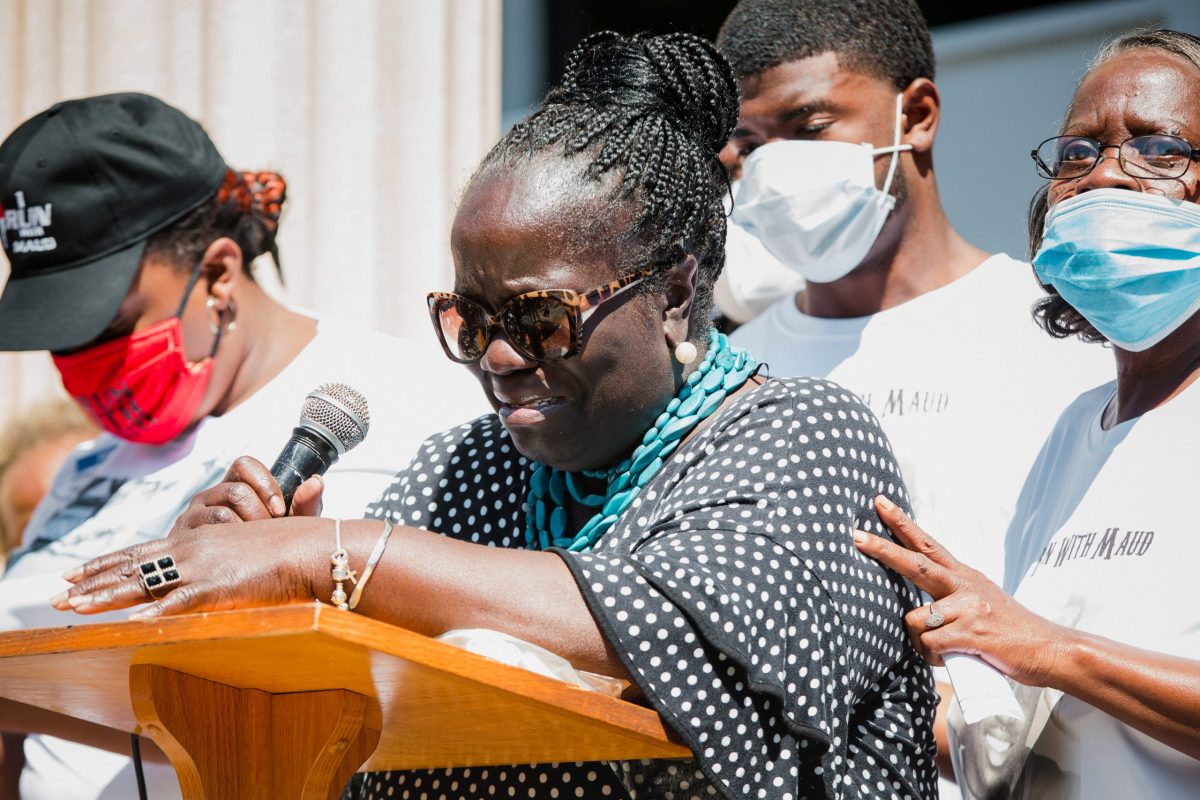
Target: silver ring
{"points": [[159, 574], [934, 620]]}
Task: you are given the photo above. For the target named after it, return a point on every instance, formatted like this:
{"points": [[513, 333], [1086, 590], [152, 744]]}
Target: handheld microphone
{"points": [[333, 420]]}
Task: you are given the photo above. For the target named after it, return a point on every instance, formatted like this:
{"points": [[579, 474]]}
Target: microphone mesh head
{"points": [[339, 410]]}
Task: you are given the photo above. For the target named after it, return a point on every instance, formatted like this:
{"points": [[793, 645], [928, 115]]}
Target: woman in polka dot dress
{"points": [[643, 503]]}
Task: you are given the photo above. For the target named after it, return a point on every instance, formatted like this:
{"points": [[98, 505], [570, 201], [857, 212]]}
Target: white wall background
{"points": [[374, 110], [1005, 84]]}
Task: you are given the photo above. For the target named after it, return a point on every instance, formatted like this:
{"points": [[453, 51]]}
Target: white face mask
{"points": [[814, 205]]}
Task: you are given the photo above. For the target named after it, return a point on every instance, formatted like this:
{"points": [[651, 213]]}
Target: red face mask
{"points": [[139, 387]]}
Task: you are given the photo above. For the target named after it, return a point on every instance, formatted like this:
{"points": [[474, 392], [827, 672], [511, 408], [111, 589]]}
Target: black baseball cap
{"points": [[82, 186]]}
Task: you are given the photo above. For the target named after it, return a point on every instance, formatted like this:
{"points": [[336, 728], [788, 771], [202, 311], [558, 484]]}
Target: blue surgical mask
{"points": [[1128, 261]]}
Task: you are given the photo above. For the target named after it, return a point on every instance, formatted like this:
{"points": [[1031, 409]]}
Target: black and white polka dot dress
{"points": [[734, 596]]}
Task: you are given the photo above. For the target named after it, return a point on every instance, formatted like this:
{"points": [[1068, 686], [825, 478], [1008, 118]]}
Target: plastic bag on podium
{"points": [[517, 653]]}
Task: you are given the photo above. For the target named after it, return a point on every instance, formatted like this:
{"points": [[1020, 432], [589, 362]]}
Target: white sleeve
{"points": [[348, 492]]}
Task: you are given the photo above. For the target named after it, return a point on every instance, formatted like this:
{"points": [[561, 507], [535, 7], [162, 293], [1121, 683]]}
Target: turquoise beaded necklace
{"points": [[724, 369]]}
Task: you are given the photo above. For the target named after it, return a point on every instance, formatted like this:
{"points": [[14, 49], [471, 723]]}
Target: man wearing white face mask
{"points": [[753, 280], [833, 153]]}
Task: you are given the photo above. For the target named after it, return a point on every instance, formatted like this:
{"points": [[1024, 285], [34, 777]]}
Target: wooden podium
{"points": [[289, 702]]}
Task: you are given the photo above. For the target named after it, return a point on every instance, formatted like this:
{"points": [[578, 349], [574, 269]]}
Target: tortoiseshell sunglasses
{"points": [[543, 325]]}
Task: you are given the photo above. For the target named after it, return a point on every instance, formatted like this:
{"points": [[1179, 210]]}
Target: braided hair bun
{"points": [[655, 111], [679, 76]]}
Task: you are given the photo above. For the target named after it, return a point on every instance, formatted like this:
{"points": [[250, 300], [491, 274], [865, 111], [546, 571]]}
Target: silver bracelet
{"points": [[376, 554], [340, 568]]}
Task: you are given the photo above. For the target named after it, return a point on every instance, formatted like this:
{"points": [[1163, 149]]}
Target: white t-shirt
{"points": [[965, 384], [1104, 541], [111, 493]]}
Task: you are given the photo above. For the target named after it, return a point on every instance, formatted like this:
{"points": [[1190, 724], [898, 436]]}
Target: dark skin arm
{"points": [[12, 761], [425, 582], [1157, 694]]}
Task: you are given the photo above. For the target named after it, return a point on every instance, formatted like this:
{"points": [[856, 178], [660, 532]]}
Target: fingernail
{"points": [[320, 480], [73, 574], [277, 507], [884, 503], [860, 537], [79, 600], [59, 600]]}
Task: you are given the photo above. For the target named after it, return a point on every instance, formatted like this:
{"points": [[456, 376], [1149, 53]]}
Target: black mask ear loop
{"points": [[187, 293]]}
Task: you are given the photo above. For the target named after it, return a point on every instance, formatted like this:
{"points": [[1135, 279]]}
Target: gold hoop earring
{"points": [[215, 324]]}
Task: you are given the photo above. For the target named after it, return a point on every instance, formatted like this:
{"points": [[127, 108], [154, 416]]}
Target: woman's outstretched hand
{"points": [[216, 567], [980, 618], [247, 493]]}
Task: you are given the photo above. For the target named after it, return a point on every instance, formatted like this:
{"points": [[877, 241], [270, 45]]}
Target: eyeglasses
{"points": [[1061, 158], [542, 326]]}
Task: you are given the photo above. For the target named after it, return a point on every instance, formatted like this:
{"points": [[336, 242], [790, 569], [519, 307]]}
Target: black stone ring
{"points": [[161, 573]]}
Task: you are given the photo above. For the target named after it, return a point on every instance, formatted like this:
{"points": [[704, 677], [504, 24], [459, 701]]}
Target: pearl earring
{"points": [[685, 352]]}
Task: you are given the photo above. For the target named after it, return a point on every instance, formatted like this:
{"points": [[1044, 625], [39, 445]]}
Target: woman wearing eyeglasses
{"points": [[1103, 629], [642, 503]]}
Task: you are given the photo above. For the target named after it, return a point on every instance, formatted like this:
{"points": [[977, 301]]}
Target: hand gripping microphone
{"points": [[333, 420]]}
